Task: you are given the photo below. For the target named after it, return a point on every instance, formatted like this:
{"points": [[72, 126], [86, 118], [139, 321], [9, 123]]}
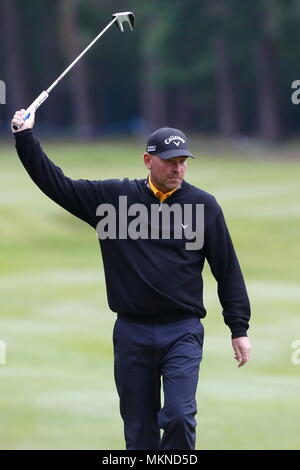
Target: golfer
{"points": [[155, 234]]}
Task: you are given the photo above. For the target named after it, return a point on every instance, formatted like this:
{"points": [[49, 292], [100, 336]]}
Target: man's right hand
{"points": [[19, 120]]}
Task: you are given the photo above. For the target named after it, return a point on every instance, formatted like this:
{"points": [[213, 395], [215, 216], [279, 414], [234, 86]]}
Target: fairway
{"points": [[57, 387]]}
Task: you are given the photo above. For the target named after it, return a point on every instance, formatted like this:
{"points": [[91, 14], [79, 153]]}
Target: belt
{"points": [[160, 319]]}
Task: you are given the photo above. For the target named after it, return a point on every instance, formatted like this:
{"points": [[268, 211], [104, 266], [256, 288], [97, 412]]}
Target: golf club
{"points": [[119, 19]]}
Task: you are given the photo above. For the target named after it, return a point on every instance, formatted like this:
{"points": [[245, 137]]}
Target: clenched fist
{"points": [[18, 119]]}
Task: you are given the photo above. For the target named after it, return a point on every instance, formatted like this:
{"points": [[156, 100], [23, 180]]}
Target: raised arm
{"points": [[79, 197]]}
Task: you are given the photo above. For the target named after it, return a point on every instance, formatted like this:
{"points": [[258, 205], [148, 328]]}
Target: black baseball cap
{"points": [[168, 142]]}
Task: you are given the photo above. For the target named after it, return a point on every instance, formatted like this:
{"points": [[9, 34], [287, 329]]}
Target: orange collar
{"points": [[161, 196]]}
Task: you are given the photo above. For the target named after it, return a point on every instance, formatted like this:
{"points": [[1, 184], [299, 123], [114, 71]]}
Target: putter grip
{"points": [[33, 107]]}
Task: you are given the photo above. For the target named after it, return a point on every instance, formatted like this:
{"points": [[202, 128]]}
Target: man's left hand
{"points": [[242, 349]]}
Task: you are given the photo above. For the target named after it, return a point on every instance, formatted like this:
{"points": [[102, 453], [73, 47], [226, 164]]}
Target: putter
{"points": [[119, 19]]}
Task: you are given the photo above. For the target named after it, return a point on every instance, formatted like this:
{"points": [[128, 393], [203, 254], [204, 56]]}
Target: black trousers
{"points": [[143, 353]]}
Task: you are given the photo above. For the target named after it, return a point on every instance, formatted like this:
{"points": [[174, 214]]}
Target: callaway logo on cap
{"points": [[167, 142]]}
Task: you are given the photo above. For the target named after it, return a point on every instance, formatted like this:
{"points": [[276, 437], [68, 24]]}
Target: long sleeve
{"points": [[79, 197], [225, 267]]}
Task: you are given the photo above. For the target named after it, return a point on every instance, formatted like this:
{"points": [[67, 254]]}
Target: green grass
{"points": [[57, 388]]}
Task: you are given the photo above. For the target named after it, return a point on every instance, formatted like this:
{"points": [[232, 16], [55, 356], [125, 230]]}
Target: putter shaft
{"points": [[117, 17]]}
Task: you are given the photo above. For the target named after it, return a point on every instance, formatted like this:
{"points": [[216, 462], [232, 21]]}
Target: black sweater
{"points": [[149, 279]]}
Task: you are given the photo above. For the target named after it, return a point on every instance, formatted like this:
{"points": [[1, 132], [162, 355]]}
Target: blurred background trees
{"points": [[207, 66]]}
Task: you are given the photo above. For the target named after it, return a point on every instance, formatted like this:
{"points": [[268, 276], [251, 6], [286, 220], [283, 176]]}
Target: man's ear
{"points": [[147, 160]]}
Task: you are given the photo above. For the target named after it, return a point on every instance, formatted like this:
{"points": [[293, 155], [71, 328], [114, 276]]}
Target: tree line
{"points": [[209, 66]]}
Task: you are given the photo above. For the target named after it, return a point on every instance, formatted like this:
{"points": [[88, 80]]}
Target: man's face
{"points": [[166, 174]]}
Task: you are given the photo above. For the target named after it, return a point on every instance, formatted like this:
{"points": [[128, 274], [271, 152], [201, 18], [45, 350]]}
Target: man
{"points": [[155, 235]]}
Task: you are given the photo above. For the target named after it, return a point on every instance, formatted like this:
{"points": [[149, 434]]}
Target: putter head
{"points": [[124, 17]]}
